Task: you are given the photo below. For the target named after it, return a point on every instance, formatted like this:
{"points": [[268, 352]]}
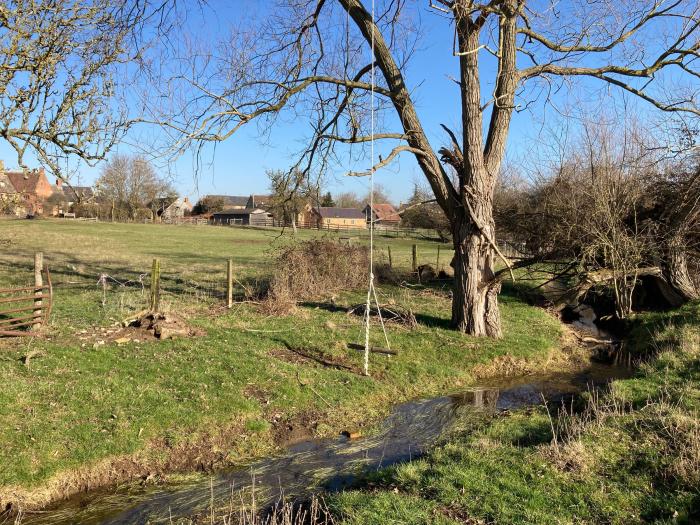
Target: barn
{"points": [[328, 217], [244, 217]]}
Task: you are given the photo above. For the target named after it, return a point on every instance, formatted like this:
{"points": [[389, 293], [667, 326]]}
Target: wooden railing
{"points": [[27, 306]]}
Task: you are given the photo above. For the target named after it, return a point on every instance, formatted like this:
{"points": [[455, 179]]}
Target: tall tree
{"points": [[327, 200], [131, 184], [348, 199], [381, 195], [289, 195], [289, 63], [208, 204]]}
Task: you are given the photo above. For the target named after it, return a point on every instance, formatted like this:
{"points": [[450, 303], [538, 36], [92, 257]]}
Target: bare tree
{"points": [[614, 210], [63, 69], [289, 195], [348, 199], [299, 61], [675, 216], [381, 195], [131, 184]]}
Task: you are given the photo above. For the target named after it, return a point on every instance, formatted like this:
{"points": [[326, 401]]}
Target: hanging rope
{"points": [[371, 290]]}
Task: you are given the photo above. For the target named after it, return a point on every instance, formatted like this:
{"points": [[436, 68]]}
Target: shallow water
{"points": [[320, 464]]}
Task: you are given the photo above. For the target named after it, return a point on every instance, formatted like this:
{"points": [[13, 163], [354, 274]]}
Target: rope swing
{"points": [[371, 290]]}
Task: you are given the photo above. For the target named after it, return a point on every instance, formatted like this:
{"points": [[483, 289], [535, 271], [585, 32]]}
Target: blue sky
{"points": [[238, 165]]}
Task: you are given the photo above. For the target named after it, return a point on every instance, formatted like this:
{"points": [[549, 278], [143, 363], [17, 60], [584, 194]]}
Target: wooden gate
{"points": [[23, 310]]}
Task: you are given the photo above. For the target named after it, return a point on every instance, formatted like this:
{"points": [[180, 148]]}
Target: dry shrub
{"points": [[317, 268], [387, 274], [683, 433], [571, 456], [567, 450], [311, 512]]}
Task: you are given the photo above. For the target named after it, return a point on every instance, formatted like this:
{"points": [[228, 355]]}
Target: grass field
{"points": [[631, 456], [90, 411]]}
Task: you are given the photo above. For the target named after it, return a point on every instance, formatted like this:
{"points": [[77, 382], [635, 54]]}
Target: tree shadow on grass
{"points": [[426, 320]]}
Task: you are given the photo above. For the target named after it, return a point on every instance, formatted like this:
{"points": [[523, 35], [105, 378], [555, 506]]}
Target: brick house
{"points": [[32, 189]]}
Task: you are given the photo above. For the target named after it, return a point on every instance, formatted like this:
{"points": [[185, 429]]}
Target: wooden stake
{"points": [[414, 258], [155, 286], [391, 263], [437, 263], [229, 283], [38, 283]]}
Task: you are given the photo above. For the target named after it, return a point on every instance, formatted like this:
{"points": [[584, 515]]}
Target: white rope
{"points": [[371, 290]]}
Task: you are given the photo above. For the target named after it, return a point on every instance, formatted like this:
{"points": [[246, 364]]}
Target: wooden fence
{"points": [[27, 306]]}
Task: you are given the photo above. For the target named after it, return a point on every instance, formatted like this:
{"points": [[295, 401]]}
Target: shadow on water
{"points": [[322, 464]]}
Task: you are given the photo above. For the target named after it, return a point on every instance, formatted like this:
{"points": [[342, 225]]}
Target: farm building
{"points": [[245, 217], [227, 202], [327, 217], [73, 194], [384, 214], [171, 208]]}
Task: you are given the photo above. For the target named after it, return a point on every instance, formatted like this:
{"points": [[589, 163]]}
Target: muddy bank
{"points": [[320, 464]]}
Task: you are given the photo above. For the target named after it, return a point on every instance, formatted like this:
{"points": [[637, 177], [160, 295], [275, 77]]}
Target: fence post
{"points": [[155, 286], [229, 283], [414, 258], [38, 285], [437, 263], [391, 265]]}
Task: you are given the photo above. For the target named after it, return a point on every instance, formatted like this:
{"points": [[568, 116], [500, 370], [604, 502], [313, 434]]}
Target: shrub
{"points": [[318, 268]]}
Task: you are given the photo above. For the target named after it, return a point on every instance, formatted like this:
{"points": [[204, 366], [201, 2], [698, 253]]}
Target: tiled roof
{"points": [[385, 212], [230, 200], [24, 181], [340, 213]]}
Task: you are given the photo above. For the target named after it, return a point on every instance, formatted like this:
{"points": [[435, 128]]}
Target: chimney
{"points": [[59, 183], [2, 165]]}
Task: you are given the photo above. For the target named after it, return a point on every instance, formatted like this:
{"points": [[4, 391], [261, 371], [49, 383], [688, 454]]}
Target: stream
{"points": [[315, 465]]}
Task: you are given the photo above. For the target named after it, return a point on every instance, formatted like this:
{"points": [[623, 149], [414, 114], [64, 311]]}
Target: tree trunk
{"points": [[475, 295], [677, 274]]}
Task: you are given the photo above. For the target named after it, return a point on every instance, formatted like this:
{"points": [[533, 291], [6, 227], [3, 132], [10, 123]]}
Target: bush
{"points": [[318, 268]]}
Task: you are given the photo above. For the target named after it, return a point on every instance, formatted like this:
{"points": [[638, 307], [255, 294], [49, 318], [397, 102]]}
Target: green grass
{"points": [[633, 456], [158, 402]]}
